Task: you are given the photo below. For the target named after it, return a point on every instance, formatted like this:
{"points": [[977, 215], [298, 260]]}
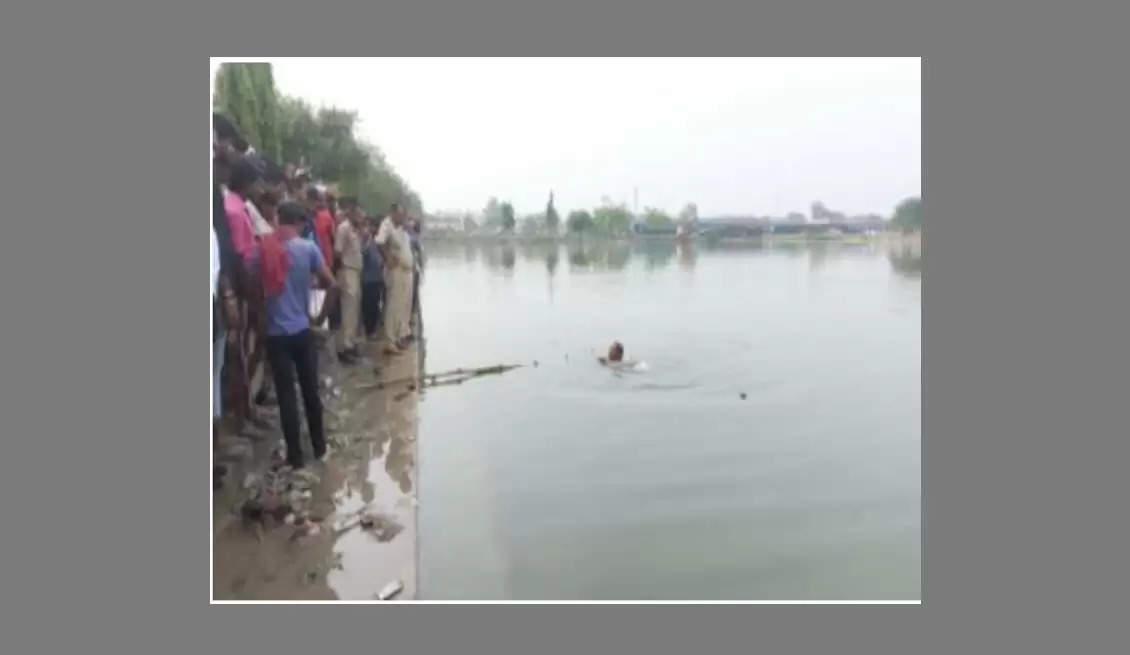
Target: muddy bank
{"points": [[348, 531]]}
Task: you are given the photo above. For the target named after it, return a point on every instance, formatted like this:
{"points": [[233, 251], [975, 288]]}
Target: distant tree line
{"points": [[908, 215], [289, 130], [607, 219]]}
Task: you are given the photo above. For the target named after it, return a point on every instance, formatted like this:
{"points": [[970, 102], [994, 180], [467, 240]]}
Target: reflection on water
{"points": [[906, 262], [771, 449], [551, 260], [687, 255], [577, 256], [599, 254], [657, 254]]}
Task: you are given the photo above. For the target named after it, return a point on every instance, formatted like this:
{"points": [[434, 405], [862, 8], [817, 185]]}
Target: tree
{"points": [[297, 130], [246, 94], [507, 211], [612, 219], [288, 130], [579, 221], [551, 217], [908, 215], [492, 215]]}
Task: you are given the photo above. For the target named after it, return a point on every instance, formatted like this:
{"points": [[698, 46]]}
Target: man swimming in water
{"points": [[615, 354]]}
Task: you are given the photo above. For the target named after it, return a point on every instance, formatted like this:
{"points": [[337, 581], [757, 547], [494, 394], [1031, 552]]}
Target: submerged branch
{"points": [[436, 379]]}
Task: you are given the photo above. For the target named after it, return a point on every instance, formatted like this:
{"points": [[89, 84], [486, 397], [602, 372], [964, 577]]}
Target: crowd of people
{"points": [[289, 256]]}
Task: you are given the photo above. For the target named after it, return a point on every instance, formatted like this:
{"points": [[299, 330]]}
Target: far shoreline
{"points": [[906, 240]]}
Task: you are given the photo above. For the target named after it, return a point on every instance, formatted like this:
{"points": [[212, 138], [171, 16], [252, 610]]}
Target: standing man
{"points": [[396, 251], [323, 223], [245, 184], [348, 249], [225, 266], [289, 265], [371, 279], [266, 207], [417, 267], [309, 230]]}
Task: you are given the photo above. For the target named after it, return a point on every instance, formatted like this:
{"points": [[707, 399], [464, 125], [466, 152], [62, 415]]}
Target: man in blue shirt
{"points": [[372, 282], [290, 344], [417, 265]]}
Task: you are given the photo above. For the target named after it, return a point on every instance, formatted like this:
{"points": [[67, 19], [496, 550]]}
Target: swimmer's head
{"points": [[616, 352]]}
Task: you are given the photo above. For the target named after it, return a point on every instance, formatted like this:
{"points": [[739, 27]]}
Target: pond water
{"points": [[571, 481]]}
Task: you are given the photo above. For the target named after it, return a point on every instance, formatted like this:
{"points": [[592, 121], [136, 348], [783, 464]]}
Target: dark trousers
{"points": [[287, 355], [415, 291], [371, 293]]}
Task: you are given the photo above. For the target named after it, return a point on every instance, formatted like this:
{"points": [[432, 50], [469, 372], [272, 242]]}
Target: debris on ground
{"points": [[307, 478], [277, 502], [384, 528], [390, 590], [280, 493], [346, 525], [237, 448]]}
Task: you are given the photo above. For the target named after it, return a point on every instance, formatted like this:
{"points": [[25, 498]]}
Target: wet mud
{"points": [[345, 528]]}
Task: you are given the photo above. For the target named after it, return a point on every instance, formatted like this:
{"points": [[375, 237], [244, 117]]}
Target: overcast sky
{"points": [[736, 136]]}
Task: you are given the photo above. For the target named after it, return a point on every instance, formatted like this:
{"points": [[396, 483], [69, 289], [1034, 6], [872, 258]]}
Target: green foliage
{"points": [[579, 221], [288, 130], [908, 215], [656, 218], [551, 218], [507, 212], [246, 94], [612, 219]]}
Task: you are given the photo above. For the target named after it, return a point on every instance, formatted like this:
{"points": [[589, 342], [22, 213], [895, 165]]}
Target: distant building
{"points": [[639, 227], [732, 226]]}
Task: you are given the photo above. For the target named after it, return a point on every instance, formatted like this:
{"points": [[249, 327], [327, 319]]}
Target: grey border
{"points": [[1027, 537]]}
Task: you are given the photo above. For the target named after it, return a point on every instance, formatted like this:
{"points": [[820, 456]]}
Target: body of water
{"points": [[571, 481]]}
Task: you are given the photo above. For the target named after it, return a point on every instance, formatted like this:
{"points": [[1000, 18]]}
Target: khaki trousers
{"points": [[349, 283], [398, 305]]}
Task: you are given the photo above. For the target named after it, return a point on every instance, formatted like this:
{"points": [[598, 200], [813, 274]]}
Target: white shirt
{"points": [[259, 223], [215, 261], [347, 243], [401, 244]]}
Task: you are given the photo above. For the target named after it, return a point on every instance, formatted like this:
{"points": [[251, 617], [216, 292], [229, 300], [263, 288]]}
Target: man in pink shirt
{"points": [[245, 184]]}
